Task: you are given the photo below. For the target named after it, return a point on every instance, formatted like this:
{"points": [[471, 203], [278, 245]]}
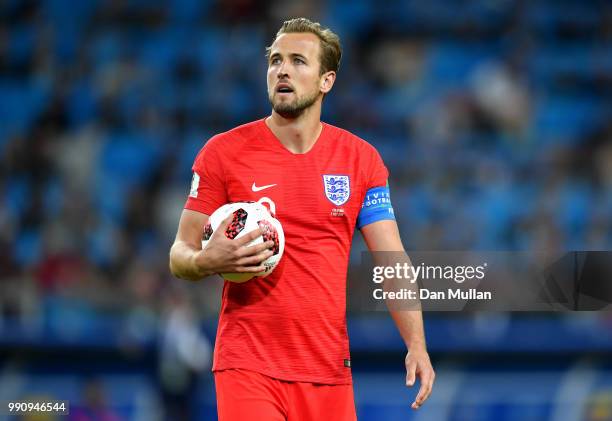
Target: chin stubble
{"points": [[294, 108]]}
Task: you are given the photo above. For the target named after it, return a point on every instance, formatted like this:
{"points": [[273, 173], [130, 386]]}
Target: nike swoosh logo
{"points": [[255, 188]]}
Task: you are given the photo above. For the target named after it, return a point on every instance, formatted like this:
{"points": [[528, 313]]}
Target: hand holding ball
{"points": [[248, 216]]}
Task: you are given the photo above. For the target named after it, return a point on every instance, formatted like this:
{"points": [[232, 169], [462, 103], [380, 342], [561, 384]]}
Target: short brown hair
{"points": [[331, 51]]}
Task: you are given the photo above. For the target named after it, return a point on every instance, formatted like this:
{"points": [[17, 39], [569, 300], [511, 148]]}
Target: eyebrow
{"points": [[292, 55]]}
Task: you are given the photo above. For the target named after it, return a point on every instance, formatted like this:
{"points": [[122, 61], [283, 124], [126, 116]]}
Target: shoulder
{"points": [[232, 139], [344, 138]]}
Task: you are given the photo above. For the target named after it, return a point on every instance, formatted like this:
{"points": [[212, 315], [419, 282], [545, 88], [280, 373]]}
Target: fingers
{"points": [[256, 259], [225, 223], [250, 269], [427, 378], [248, 237], [255, 249]]}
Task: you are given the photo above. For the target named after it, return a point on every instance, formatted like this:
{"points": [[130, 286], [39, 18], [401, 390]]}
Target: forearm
{"points": [[410, 325], [384, 241], [183, 262]]}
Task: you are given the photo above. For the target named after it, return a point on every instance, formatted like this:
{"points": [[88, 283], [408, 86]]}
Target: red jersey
{"points": [[290, 325]]}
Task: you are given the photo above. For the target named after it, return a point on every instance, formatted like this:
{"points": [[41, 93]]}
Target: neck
{"points": [[298, 134]]}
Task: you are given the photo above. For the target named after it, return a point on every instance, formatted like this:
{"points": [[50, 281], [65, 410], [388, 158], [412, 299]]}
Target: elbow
{"points": [[172, 266], [176, 272], [172, 269], [179, 269]]}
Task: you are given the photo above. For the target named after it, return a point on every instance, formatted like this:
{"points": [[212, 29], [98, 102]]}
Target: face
{"points": [[294, 79]]}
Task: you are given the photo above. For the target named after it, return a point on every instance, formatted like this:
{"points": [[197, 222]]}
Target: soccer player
{"points": [[281, 351]]}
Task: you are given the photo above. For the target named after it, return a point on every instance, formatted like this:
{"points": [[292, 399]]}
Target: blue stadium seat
{"points": [[22, 103], [564, 119], [27, 249], [451, 63]]}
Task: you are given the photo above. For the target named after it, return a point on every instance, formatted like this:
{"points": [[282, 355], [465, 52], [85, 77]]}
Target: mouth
{"points": [[284, 88]]}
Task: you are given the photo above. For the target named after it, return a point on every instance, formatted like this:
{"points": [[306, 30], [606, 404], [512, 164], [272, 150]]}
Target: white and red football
{"points": [[247, 217]]}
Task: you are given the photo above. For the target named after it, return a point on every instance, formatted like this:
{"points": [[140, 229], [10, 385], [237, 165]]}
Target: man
{"points": [[281, 351]]}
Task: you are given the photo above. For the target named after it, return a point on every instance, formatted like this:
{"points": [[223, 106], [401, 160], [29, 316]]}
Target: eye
{"points": [[275, 60], [299, 61]]}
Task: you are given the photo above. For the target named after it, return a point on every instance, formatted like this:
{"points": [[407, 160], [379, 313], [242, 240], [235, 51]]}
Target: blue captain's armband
{"points": [[376, 206]]}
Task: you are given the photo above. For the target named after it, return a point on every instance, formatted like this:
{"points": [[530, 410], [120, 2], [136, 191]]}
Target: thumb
{"points": [[410, 374], [222, 228]]}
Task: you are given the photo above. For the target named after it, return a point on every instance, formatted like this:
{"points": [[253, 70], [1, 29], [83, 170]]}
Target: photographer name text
{"points": [[426, 294]]}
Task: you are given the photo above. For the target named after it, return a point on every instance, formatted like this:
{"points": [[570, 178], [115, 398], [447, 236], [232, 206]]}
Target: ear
{"points": [[327, 81]]}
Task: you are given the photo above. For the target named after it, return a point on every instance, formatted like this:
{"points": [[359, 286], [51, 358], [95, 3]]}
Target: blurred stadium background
{"points": [[493, 116]]}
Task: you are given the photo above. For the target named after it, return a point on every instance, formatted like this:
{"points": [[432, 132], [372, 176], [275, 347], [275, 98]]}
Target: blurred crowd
{"points": [[494, 118]]}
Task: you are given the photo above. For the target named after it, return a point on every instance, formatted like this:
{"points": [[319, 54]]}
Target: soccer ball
{"points": [[247, 217]]}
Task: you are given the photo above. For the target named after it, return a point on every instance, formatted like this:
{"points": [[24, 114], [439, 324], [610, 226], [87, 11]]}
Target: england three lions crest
{"points": [[337, 188]]}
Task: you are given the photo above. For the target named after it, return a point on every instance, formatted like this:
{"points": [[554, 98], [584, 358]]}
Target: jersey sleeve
{"points": [[377, 172], [376, 204], [208, 189]]}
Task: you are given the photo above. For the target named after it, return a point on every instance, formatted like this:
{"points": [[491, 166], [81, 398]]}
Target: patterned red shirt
{"points": [[290, 325]]}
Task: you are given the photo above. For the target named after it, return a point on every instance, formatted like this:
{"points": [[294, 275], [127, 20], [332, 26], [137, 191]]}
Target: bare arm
{"points": [[384, 236], [187, 245], [189, 261]]}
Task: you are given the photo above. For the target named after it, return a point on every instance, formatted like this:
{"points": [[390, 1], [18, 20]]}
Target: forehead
{"points": [[304, 43]]}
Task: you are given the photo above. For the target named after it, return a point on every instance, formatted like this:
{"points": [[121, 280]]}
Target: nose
{"points": [[282, 73]]}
